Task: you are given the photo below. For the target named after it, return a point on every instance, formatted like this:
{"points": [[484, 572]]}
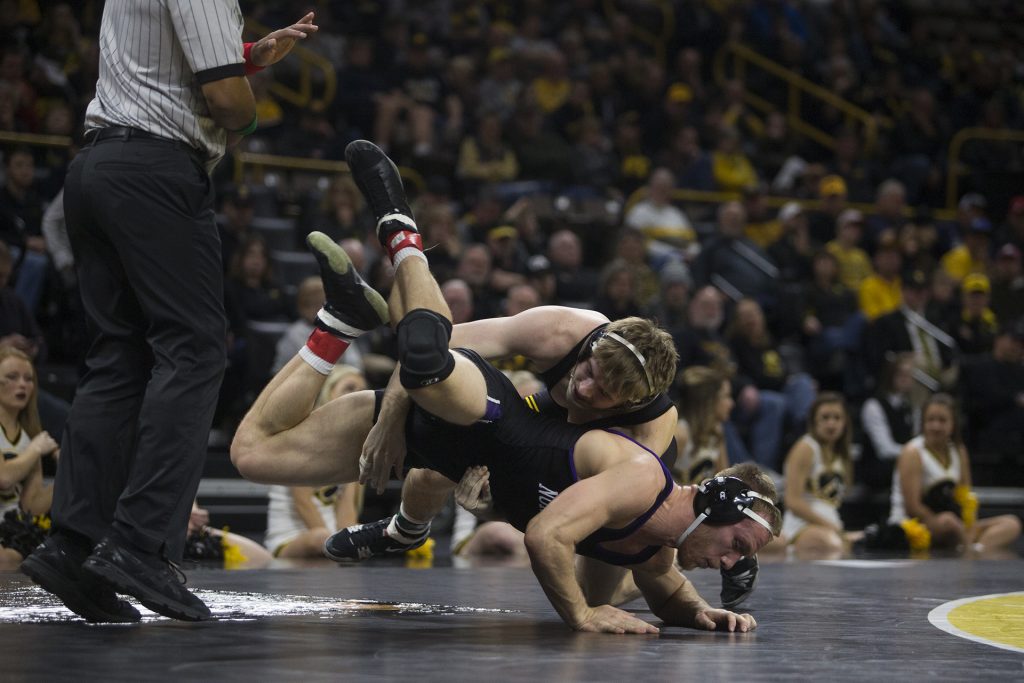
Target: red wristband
{"points": [[250, 68]]}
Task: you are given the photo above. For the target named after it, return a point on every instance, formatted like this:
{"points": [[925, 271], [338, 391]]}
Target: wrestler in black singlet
{"points": [[543, 403], [529, 456]]}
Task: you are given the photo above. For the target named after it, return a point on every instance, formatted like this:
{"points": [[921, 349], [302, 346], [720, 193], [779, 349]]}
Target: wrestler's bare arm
{"points": [[543, 334], [618, 483]]}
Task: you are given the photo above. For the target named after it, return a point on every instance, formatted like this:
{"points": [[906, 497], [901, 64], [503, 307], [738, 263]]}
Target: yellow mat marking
{"points": [[996, 620]]}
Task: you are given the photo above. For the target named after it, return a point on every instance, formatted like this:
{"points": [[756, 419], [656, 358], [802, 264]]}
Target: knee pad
{"points": [[423, 337]]}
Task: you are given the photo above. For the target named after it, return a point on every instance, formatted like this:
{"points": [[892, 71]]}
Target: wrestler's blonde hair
{"points": [[623, 374]]}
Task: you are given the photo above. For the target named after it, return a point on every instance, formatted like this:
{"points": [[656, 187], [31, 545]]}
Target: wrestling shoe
{"points": [[378, 179], [738, 582], [352, 306], [156, 583], [56, 566], [363, 541]]}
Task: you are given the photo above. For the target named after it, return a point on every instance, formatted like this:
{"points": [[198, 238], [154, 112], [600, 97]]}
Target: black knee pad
{"points": [[423, 337]]}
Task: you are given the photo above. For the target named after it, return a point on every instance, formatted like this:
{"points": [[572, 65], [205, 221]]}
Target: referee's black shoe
{"points": [[352, 306], [378, 179], [156, 583], [738, 581], [56, 565]]}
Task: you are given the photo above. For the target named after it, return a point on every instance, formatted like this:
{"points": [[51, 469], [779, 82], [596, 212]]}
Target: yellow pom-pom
{"points": [[968, 502], [421, 557], [918, 536], [233, 555]]}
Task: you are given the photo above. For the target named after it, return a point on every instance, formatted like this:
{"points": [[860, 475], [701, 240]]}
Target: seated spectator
{"points": [[18, 327], [763, 226], [231, 551], [758, 360], [475, 270], [521, 298], [730, 167], [340, 212], [484, 157], [792, 251], [459, 298], [631, 251], [825, 221], [21, 219], [593, 161], [852, 165], [24, 444], [617, 295], [705, 401], [932, 483], [699, 341], [993, 391], [252, 292], [300, 518], [541, 276], [441, 239], [575, 284], [1008, 284], [889, 421], [541, 153], [972, 255], [854, 264], [889, 217], [1012, 231], [508, 257], [688, 161], [674, 300], [657, 219], [733, 263], [833, 327], [978, 324], [235, 221], [818, 470], [881, 292]]}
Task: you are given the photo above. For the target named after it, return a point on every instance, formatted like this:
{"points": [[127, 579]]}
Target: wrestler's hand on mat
{"points": [[712, 619], [473, 492], [383, 450], [608, 619]]}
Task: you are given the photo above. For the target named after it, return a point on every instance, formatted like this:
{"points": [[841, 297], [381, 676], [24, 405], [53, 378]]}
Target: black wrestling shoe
{"points": [[378, 179], [56, 566], [159, 585], [738, 582], [363, 541], [353, 307]]}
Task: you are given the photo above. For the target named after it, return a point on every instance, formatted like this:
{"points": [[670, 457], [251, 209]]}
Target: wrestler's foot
{"points": [[738, 582], [352, 307], [364, 541], [377, 178]]}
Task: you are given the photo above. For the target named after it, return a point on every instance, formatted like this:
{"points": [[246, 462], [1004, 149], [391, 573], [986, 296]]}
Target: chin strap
{"points": [[689, 530]]}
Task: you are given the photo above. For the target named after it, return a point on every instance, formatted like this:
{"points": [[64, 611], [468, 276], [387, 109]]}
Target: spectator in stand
{"points": [[776, 147], [484, 157], [674, 299], [730, 167], [635, 163], [1012, 230], [889, 421], [929, 472], [459, 297], [705, 401], [818, 471], [833, 327], [854, 264], [943, 308], [763, 227], [890, 213], [882, 291], [759, 361], [918, 144], [972, 256], [593, 160], [1008, 284], [630, 250], [340, 212], [978, 324], [252, 291], [993, 391], [499, 90], [688, 161], [441, 235], [661, 222], [508, 257], [792, 252], [825, 222], [18, 327], [730, 260], [575, 284], [541, 276], [617, 295], [21, 219], [235, 222], [521, 298], [852, 165], [475, 270], [540, 153]]}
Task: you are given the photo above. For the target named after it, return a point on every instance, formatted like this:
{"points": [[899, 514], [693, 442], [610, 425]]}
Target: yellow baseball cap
{"points": [[976, 283], [831, 185]]}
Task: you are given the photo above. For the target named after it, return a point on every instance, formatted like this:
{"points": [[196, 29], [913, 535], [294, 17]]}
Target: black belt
{"points": [[126, 133]]}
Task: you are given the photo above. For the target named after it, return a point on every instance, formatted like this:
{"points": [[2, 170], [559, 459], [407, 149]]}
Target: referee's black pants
{"points": [[141, 222]]}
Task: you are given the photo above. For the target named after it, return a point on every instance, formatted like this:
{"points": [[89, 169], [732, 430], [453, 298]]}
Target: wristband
{"points": [[250, 68], [248, 130]]}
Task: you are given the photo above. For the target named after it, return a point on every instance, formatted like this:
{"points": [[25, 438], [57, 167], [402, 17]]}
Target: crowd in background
{"points": [[524, 130]]}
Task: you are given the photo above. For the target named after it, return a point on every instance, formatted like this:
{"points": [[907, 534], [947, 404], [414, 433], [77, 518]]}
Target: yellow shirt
{"points": [[764, 233], [959, 263], [879, 296], [854, 264], [732, 172], [551, 94]]}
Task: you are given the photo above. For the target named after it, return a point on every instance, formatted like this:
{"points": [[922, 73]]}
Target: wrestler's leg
{"points": [[282, 440]]}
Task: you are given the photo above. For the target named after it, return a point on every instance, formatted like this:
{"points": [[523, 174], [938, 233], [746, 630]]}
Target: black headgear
{"points": [[722, 501]]}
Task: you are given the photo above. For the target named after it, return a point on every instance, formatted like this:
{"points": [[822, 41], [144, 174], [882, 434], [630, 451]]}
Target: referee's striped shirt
{"points": [[154, 56]]}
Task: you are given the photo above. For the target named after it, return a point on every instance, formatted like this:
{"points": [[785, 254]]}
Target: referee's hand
{"points": [[274, 46]]}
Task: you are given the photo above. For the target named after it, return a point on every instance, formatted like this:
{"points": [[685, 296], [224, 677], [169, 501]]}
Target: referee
{"points": [[172, 95]]}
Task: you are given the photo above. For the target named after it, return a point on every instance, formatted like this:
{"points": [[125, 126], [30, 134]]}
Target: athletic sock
{"points": [[406, 530], [326, 344], [403, 244]]}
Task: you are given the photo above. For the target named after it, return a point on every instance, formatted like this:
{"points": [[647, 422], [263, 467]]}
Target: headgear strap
{"points": [[636, 352], [746, 510]]}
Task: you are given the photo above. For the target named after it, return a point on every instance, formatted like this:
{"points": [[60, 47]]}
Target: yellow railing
{"points": [[309, 62], [261, 162], [657, 42], [797, 87], [33, 140], [954, 169], [705, 197]]}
